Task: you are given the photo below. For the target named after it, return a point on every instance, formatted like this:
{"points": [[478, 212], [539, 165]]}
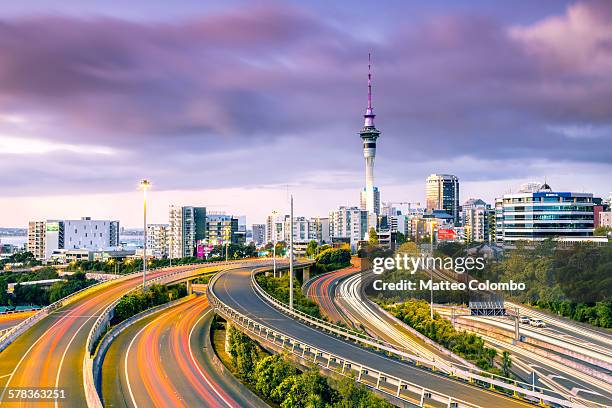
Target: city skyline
{"points": [[236, 122]]}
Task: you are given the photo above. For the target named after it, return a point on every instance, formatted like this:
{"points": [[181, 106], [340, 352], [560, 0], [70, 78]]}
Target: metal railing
{"points": [[518, 389]]}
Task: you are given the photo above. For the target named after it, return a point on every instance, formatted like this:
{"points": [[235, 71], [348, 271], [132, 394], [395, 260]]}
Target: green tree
{"points": [[311, 249], [506, 363], [602, 231], [373, 237], [270, 373], [243, 352]]}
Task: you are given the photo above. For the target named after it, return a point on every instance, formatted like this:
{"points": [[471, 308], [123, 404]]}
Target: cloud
{"points": [[273, 94]]}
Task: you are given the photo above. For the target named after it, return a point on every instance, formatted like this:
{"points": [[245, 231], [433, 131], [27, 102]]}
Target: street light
{"points": [[144, 185], [274, 242], [291, 257], [431, 235]]}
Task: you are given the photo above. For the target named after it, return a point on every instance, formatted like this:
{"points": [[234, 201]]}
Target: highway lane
{"points": [[321, 290], [8, 320], [161, 361], [234, 289], [50, 354]]}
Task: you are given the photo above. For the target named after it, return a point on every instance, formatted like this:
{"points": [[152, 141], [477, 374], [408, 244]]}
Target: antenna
{"points": [[369, 80]]}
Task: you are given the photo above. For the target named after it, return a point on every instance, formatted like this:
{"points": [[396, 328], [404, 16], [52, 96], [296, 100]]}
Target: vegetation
{"points": [[603, 231], [573, 282], [39, 295], [278, 288], [138, 301], [416, 314], [279, 381], [25, 258], [331, 259], [373, 237]]}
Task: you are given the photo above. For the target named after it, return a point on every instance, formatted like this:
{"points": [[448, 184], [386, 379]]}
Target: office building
{"points": [[605, 219], [259, 234], [541, 214], [348, 224], [157, 244], [442, 193], [370, 196]]}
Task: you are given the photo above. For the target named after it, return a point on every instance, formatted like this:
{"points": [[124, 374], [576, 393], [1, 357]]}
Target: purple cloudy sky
{"points": [[233, 104]]}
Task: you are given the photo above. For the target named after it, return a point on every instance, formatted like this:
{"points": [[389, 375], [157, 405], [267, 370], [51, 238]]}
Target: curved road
{"points": [[50, 354], [234, 289], [163, 361]]}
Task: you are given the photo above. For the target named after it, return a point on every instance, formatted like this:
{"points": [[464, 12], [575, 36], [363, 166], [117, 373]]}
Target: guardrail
{"points": [[90, 369], [519, 390], [388, 384], [10, 336]]}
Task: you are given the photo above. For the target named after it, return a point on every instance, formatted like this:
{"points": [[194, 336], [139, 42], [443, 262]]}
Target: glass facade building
{"points": [[535, 216]]}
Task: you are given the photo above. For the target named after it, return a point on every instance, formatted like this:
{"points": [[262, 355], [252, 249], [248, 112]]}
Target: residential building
{"points": [[36, 239], [157, 244], [476, 220], [442, 193], [275, 227], [186, 227], [350, 224], [319, 230], [222, 229], [259, 234]]}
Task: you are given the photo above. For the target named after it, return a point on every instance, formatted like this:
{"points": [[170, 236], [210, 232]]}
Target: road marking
{"points": [[197, 365], [59, 369], [5, 375], [127, 354]]}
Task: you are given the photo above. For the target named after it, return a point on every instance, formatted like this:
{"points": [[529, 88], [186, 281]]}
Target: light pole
{"points": [[228, 236], [144, 185], [274, 243], [431, 232], [291, 257]]}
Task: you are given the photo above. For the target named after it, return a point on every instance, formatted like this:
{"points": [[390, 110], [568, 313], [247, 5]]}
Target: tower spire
{"points": [[369, 115]]}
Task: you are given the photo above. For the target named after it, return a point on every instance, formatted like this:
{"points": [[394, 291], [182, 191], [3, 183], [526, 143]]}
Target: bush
{"points": [[416, 314], [138, 301], [331, 259], [278, 288]]}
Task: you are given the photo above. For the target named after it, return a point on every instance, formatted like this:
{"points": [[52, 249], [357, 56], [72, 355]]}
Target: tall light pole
{"points": [[431, 232], [274, 243], [291, 256], [144, 185]]}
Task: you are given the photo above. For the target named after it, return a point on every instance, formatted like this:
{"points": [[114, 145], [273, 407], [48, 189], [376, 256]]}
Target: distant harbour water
{"points": [[14, 240], [21, 240]]}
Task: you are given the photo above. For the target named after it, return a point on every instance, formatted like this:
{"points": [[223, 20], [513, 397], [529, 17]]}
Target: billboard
{"points": [[445, 234], [53, 226]]}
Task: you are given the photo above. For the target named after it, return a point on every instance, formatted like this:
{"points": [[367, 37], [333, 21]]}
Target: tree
{"points": [[373, 237], [602, 231], [506, 363], [311, 249], [400, 238], [270, 373]]}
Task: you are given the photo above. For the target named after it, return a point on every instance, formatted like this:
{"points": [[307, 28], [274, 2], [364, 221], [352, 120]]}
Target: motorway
{"points": [[8, 320], [234, 289], [50, 353], [163, 360]]}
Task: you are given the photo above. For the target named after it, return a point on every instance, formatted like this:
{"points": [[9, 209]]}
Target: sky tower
{"points": [[370, 196]]}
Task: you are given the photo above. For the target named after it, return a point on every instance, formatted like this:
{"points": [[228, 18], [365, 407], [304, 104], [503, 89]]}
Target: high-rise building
{"points": [[476, 217], [259, 234], [157, 240], [275, 227], [36, 239], [348, 223], [442, 193], [370, 196], [319, 230], [186, 227], [535, 216]]}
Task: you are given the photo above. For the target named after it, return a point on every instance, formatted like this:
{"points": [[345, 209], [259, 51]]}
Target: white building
{"points": [[186, 227], [36, 239], [350, 223], [157, 240]]}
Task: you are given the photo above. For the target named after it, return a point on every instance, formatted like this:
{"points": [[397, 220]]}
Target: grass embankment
{"points": [[280, 382], [416, 314]]}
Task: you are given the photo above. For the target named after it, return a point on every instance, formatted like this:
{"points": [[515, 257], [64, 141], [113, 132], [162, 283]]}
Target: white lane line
{"points": [[59, 369], [127, 354], [5, 375], [32, 346], [197, 366]]}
